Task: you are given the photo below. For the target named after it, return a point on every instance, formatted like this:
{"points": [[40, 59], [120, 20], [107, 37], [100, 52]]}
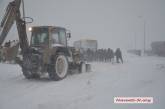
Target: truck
{"points": [[48, 50], [86, 44]]}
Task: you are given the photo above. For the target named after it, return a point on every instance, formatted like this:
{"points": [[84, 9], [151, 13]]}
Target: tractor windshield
{"points": [[39, 37], [59, 36]]}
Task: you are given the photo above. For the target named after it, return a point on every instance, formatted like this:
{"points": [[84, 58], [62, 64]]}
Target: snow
{"points": [[137, 77]]}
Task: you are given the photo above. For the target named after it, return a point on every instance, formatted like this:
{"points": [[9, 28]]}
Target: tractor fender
{"points": [[60, 49], [63, 50]]}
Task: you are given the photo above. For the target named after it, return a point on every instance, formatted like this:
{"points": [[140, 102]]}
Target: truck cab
{"points": [[48, 36]]}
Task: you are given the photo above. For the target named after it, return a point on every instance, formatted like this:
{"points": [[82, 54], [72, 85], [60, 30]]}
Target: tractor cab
{"points": [[48, 36]]}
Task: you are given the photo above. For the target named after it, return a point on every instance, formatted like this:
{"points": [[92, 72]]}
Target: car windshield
{"points": [[39, 38]]}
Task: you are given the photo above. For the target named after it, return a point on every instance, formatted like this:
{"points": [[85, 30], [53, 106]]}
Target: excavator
{"points": [[47, 51]]}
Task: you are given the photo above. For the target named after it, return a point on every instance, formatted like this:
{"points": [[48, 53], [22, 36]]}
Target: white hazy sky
{"points": [[114, 23]]}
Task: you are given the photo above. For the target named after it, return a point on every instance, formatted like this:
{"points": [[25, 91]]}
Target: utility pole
{"points": [[135, 40], [144, 33], [144, 36]]}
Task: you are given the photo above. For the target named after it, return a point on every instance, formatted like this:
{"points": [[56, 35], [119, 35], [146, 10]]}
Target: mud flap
{"points": [[88, 68]]}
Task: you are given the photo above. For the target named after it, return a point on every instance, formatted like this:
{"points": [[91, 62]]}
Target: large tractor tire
{"points": [[60, 68]]}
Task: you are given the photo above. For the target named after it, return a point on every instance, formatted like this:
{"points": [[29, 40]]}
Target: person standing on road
{"points": [[112, 56], [118, 55]]}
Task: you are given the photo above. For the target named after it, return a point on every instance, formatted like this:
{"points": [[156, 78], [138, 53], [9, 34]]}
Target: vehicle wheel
{"points": [[29, 75], [82, 67], [60, 68]]}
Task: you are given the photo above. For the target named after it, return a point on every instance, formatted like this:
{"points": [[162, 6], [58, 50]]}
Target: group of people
{"points": [[11, 43], [9, 50], [103, 55]]}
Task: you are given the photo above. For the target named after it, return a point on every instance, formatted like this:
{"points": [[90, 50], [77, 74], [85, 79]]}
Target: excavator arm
{"points": [[12, 15]]}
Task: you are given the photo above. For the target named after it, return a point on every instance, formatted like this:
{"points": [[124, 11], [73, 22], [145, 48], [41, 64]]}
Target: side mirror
{"points": [[69, 35]]}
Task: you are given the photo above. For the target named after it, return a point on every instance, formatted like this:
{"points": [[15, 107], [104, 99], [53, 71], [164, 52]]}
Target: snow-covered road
{"points": [[138, 76]]}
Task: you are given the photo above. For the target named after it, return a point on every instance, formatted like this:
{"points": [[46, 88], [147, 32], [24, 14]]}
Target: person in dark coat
{"points": [[118, 55], [112, 56]]}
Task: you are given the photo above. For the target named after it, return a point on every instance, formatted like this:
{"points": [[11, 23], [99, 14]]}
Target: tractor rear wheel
{"points": [[60, 68]]}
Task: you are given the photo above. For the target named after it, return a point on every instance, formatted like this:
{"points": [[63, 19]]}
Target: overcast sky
{"points": [[114, 23]]}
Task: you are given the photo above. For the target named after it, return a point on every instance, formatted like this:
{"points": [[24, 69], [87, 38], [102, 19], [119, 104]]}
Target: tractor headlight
{"points": [[30, 28]]}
